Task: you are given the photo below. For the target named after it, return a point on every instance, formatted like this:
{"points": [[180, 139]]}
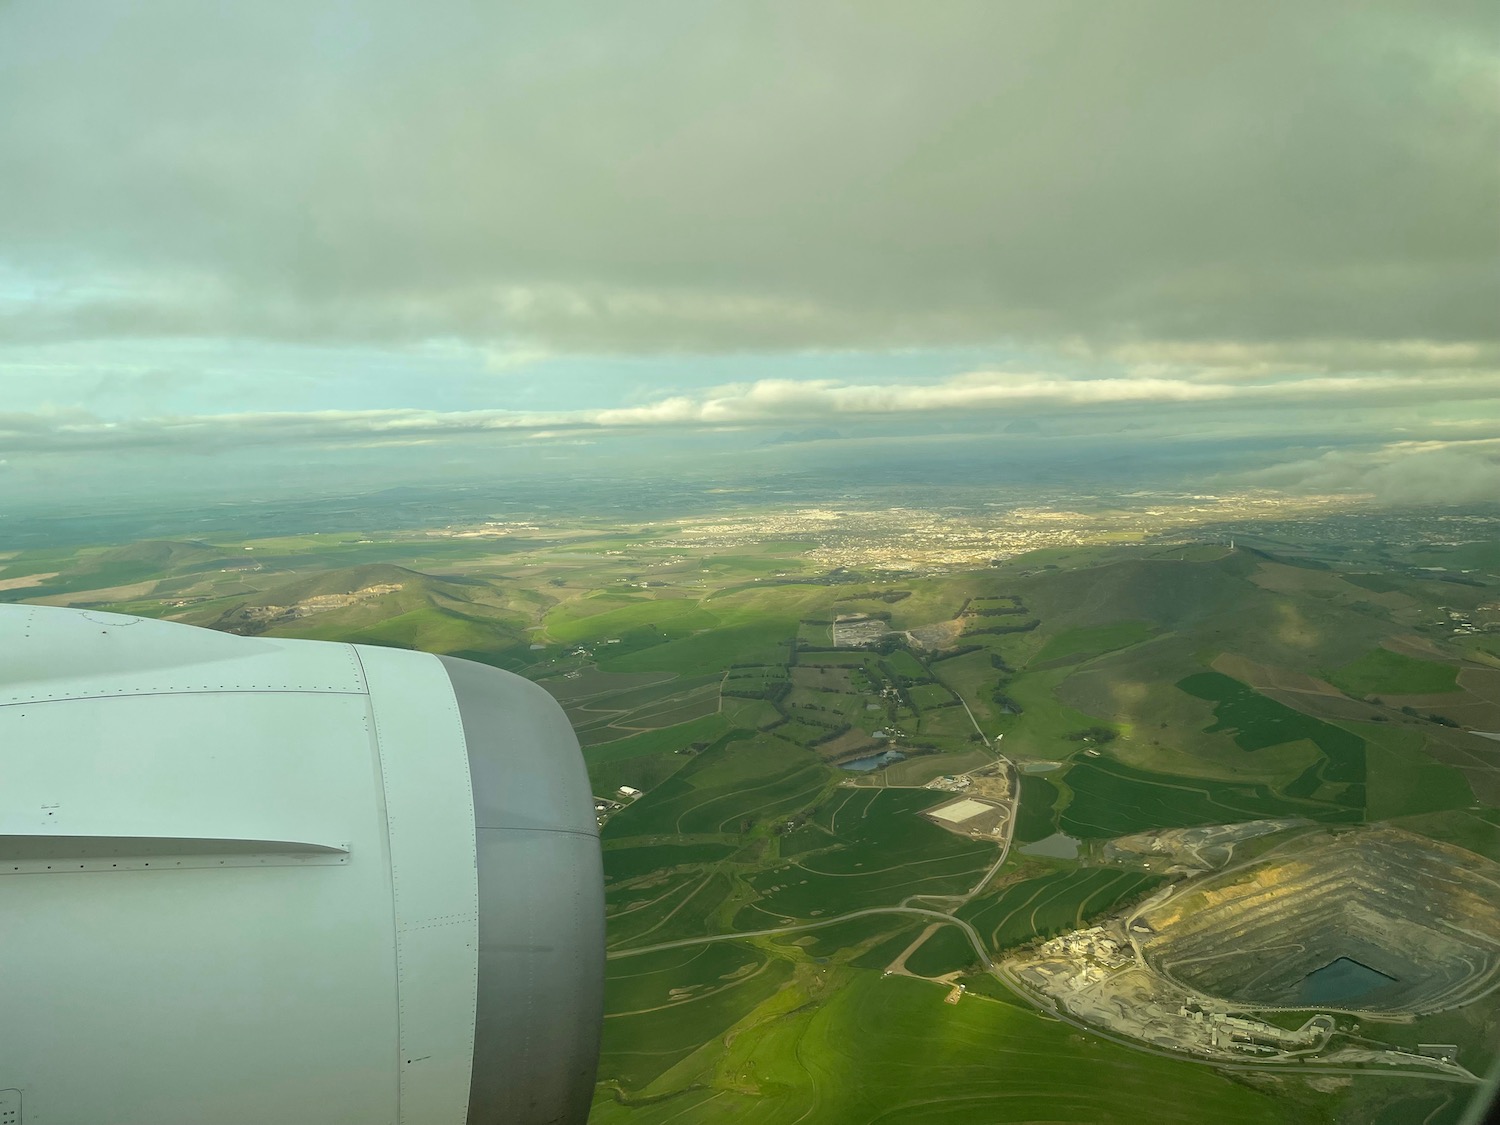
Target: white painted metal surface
{"points": [[49, 654], [430, 821], [165, 991]]}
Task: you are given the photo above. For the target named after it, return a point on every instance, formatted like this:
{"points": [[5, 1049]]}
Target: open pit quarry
{"points": [[1370, 923], [1373, 920], [257, 618]]}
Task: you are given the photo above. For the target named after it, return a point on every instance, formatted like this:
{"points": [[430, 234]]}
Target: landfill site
{"points": [[975, 817], [1342, 926], [982, 806]]}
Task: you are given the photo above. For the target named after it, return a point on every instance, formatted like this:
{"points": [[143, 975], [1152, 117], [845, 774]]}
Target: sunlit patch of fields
{"points": [[856, 1047]]}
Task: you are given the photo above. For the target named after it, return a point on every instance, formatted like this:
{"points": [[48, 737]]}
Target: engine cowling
{"points": [[253, 879]]}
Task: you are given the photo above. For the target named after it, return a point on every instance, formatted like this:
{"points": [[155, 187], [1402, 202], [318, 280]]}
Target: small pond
{"points": [[873, 761], [1059, 845], [1342, 982]]}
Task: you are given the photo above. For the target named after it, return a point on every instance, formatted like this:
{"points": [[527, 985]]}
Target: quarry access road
{"points": [[1010, 830]]}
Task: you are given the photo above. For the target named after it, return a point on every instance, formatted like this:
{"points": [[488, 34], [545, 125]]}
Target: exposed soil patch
{"points": [[26, 581], [101, 596]]}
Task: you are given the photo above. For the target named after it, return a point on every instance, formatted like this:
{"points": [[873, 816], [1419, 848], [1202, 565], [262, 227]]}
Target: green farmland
{"points": [[683, 905], [857, 1048], [663, 1007], [946, 951], [625, 863], [1037, 819], [1113, 799], [1077, 644], [1258, 722], [1382, 672], [878, 851], [729, 788]]}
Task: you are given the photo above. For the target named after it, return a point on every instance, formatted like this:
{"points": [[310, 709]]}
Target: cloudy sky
{"points": [[317, 230]]}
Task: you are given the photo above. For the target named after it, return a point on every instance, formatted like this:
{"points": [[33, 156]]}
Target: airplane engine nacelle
{"points": [[261, 880]]}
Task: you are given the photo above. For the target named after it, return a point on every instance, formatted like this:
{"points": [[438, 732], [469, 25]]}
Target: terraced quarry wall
{"points": [[1390, 922]]}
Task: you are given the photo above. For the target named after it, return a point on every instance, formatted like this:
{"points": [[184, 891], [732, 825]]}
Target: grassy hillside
{"points": [[839, 1046]]}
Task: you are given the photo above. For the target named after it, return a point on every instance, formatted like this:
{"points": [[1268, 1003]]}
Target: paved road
{"points": [[1015, 800], [968, 930], [1010, 828], [971, 716]]}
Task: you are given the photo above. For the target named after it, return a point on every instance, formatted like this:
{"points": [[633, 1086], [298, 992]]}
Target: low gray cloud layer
{"points": [[1408, 473], [1277, 403], [688, 176]]}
